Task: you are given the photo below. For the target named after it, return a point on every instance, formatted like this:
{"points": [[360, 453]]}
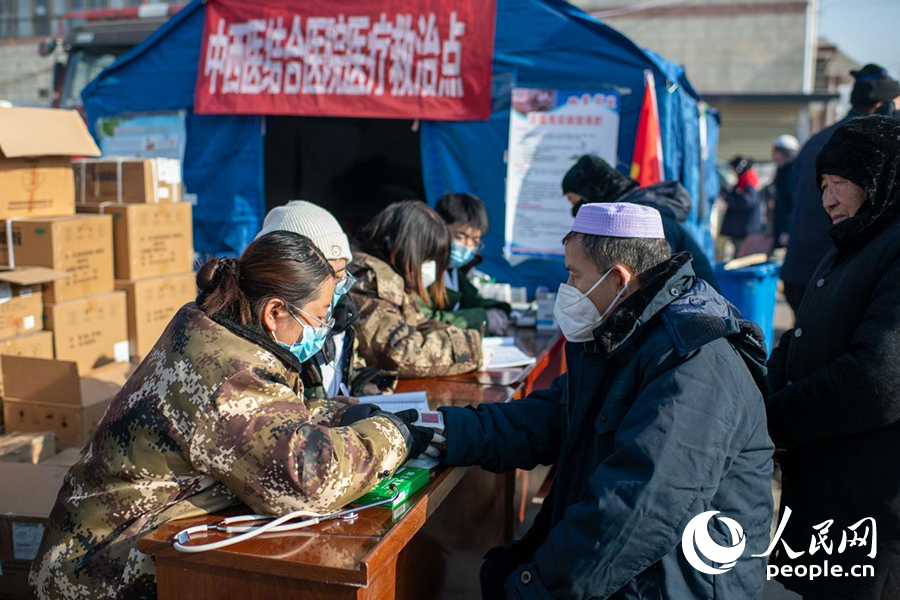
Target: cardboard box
{"points": [[80, 246], [50, 395], [91, 331], [27, 496], [27, 447], [128, 180], [151, 305], [36, 146], [21, 309], [150, 239], [38, 345]]}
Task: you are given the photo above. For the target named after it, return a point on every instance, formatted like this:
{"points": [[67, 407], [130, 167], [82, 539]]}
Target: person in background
{"points": [[660, 418], [215, 416], [784, 150], [808, 240], [593, 180], [744, 216], [835, 377], [467, 221], [399, 255], [338, 370]]}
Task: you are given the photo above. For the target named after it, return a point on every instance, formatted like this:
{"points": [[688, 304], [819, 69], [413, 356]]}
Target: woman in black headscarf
{"points": [[835, 379]]}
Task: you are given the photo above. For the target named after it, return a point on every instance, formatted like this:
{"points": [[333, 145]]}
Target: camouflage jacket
{"points": [[395, 335], [360, 379], [212, 417]]}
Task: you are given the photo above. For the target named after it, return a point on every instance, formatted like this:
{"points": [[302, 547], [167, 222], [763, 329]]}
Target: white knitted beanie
{"points": [[314, 222]]}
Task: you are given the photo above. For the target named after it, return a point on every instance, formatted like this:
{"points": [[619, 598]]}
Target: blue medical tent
{"points": [[539, 43]]}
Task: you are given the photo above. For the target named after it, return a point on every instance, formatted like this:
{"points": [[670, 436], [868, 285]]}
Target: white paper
{"points": [[504, 354], [29, 322], [397, 402], [121, 351], [26, 540]]}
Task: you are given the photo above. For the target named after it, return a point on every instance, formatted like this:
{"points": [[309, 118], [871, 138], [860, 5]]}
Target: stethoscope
{"points": [[273, 526]]}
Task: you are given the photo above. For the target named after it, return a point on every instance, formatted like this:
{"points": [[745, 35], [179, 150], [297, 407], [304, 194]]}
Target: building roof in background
{"points": [[832, 67]]}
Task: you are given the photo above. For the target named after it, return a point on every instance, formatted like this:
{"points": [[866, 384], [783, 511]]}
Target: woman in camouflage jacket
{"points": [[215, 416], [395, 249]]}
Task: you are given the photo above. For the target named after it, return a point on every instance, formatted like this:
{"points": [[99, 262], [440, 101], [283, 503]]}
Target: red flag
{"points": [[647, 163]]}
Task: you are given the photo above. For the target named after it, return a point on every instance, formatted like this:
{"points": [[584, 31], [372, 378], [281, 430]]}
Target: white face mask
{"points": [[429, 273], [576, 314]]}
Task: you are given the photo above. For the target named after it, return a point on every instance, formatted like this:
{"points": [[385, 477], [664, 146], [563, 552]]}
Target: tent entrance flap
{"points": [[351, 167]]}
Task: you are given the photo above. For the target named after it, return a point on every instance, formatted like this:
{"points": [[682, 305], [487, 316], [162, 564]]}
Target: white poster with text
{"points": [[548, 131]]}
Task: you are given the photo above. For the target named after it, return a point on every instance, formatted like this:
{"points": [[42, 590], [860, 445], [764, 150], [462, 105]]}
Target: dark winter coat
{"points": [[354, 371], [744, 214], [784, 200], [809, 241], [674, 204], [658, 420], [836, 380]]}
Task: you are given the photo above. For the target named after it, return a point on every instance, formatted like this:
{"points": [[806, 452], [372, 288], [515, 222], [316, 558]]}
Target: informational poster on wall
{"points": [[145, 135], [548, 131]]}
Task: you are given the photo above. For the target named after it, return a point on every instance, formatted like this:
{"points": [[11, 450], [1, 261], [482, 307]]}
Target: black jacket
{"points": [[835, 379], [744, 216], [783, 191], [355, 375], [836, 409], [674, 204], [809, 241], [657, 420]]}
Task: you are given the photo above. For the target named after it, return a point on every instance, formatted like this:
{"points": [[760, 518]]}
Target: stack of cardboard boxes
{"points": [[61, 323], [57, 293], [153, 242]]}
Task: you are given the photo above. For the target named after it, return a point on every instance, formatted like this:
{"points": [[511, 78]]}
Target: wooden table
{"points": [[431, 547]]}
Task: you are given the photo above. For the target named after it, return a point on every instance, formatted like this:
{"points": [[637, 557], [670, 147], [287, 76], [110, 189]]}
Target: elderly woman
{"points": [[215, 415], [835, 379]]}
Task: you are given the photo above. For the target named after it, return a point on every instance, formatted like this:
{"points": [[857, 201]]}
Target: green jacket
{"points": [[214, 416], [472, 310]]}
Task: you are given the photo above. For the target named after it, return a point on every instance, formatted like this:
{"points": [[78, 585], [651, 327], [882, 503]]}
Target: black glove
{"points": [[421, 436], [358, 412]]}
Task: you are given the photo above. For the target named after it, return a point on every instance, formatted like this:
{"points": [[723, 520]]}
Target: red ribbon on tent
{"points": [[647, 161], [408, 59]]}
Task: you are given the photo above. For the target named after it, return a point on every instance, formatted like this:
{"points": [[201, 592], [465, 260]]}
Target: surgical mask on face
{"points": [[429, 273], [460, 255], [310, 342], [576, 314]]}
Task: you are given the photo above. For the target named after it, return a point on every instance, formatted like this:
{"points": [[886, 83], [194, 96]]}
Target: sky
{"points": [[865, 30]]}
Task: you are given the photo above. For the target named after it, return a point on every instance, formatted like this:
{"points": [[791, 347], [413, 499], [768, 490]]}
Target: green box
{"points": [[408, 480]]}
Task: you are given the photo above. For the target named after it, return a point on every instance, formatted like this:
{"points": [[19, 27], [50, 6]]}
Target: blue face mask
{"points": [[460, 255], [311, 341]]}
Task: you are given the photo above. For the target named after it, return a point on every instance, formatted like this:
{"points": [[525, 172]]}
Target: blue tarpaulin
{"points": [[539, 43]]}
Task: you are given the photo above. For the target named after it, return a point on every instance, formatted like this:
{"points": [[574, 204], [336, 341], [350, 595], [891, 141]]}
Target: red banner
{"points": [[409, 59]]}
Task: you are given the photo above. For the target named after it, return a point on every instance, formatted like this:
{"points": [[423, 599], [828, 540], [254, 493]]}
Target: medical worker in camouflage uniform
{"points": [[402, 252], [338, 369], [215, 416]]}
